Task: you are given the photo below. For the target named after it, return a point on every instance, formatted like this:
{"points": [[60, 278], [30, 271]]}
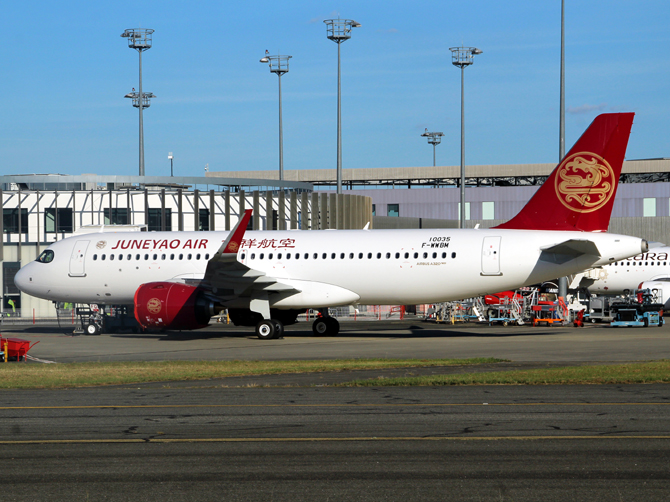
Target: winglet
{"points": [[232, 243]]}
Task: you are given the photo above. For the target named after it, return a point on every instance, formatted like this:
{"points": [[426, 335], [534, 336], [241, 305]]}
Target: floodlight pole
{"points": [[562, 281], [140, 40], [434, 138], [462, 57], [339, 30], [278, 65]]}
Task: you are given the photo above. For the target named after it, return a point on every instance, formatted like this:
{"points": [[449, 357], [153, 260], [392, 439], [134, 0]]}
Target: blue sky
{"points": [[65, 70]]}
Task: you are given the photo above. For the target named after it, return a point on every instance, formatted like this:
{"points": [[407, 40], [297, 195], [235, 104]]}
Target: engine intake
{"points": [[172, 305]]}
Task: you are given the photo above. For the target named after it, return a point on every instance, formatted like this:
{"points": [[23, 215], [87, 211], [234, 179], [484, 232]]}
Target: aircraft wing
{"points": [[227, 278]]}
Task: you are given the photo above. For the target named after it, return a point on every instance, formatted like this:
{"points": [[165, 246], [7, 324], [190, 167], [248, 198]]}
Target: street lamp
{"points": [[339, 30], [462, 57], [278, 65], [434, 138], [140, 40], [170, 158]]}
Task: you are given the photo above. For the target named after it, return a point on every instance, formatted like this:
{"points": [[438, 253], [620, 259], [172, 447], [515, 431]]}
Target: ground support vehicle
{"points": [[546, 314], [637, 310]]}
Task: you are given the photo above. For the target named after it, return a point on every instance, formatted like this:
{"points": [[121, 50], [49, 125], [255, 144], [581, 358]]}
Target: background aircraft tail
{"points": [[579, 193]]}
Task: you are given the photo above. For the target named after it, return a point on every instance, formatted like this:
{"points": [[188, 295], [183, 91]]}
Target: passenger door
{"points": [[77, 259], [491, 256]]}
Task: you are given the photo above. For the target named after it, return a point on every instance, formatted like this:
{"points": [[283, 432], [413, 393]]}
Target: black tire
{"points": [[645, 321], [265, 330], [333, 326], [320, 326], [279, 329], [92, 329]]}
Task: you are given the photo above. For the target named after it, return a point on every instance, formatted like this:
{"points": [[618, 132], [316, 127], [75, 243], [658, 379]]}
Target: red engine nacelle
{"points": [[172, 305]]}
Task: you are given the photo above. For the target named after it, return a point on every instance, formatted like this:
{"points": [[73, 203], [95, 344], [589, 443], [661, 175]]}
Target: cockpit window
{"points": [[47, 256]]}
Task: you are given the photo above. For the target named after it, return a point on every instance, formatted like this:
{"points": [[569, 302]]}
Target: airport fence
{"points": [[68, 316]]}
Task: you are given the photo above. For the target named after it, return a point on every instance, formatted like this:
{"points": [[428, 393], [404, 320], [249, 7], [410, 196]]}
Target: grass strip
{"points": [[52, 376], [647, 372]]}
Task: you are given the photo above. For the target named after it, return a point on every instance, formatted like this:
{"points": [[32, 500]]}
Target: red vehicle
{"points": [[505, 297]]}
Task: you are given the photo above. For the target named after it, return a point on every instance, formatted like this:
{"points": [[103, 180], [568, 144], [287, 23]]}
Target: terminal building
{"points": [[40, 209], [429, 197]]}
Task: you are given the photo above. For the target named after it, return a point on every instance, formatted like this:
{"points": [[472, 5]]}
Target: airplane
{"points": [[178, 280], [626, 275]]}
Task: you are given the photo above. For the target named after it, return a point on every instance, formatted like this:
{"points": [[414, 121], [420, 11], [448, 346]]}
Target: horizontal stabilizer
{"points": [[568, 250]]}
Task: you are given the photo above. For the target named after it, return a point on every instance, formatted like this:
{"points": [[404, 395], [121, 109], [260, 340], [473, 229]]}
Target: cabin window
{"points": [[260, 256], [279, 256], [388, 255], [332, 256], [103, 257], [406, 255], [253, 256], [269, 256], [155, 257], [379, 255], [341, 256], [243, 256], [425, 255], [434, 255], [416, 255], [172, 256], [397, 255], [111, 256], [120, 257], [369, 256], [129, 257], [316, 256], [306, 255], [163, 256], [181, 256], [288, 256], [95, 257], [324, 255], [297, 256], [189, 256], [351, 256], [444, 255], [360, 256], [453, 255], [207, 256]]}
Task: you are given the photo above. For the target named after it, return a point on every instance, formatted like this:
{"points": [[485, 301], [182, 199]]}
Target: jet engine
{"points": [[172, 305]]}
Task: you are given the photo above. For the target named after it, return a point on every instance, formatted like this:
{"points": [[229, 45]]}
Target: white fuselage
{"points": [[627, 274], [333, 268]]}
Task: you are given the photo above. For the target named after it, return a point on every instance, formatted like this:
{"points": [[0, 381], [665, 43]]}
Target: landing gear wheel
{"points": [[92, 329], [320, 326], [265, 330], [326, 326], [333, 326], [279, 329]]}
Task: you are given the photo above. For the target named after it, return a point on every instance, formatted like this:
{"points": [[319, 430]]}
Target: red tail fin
{"points": [[579, 193]]}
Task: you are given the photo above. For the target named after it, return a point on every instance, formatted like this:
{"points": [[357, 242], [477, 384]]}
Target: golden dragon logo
{"points": [[154, 306], [584, 182]]}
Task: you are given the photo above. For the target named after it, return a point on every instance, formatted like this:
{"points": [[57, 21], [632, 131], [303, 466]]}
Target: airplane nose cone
{"points": [[23, 279]]}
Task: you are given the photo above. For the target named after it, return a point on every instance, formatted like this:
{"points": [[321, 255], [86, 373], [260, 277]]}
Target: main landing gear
{"points": [[326, 326], [268, 329]]}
